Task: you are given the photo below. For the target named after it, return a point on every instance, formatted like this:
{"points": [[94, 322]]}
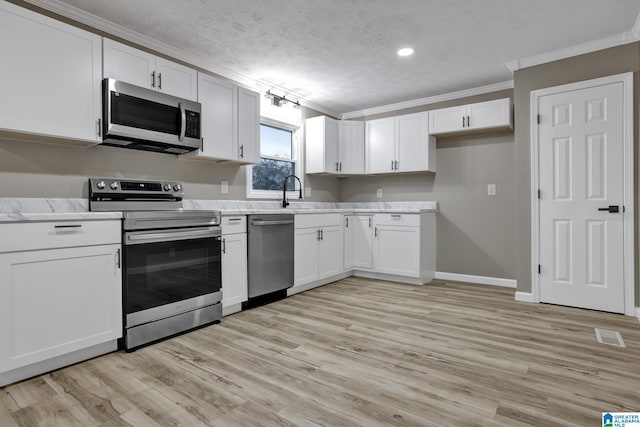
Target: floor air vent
{"points": [[606, 336]]}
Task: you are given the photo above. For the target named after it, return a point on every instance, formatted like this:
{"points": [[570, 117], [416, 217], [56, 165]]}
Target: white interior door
{"points": [[581, 174]]}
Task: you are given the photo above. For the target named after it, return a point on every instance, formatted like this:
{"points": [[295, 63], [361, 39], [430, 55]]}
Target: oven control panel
{"points": [[125, 186]]}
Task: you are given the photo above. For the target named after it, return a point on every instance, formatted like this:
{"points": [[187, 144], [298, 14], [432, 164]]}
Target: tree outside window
{"points": [[276, 160]]}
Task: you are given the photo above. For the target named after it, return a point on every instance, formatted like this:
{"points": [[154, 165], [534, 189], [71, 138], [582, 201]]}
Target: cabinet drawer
{"points": [[234, 224], [409, 220], [26, 236], [317, 220]]}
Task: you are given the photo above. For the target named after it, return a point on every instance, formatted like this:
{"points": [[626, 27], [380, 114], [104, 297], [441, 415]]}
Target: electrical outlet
{"points": [[491, 189], [224, 187], [379, 193]]}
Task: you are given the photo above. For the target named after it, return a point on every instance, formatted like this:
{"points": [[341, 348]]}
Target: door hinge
{"points": [[539, 118], [539, 269]]}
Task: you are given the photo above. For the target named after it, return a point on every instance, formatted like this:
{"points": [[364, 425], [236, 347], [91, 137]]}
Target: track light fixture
{"points": [[279, 101]]}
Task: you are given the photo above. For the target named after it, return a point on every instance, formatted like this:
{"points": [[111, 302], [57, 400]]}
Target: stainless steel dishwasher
{"points": [[270, 254]]}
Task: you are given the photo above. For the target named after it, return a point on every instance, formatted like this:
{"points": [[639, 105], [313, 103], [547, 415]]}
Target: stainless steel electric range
{"points": [[171, 258]]}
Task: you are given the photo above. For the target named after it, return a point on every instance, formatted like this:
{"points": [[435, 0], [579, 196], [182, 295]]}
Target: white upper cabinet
{"points": [[219, 101], [230, 122], [472, 117], [400, 144], [351, 147], [248, 126], [131, 65], [321, 145], [334, 146], [51, 76]]}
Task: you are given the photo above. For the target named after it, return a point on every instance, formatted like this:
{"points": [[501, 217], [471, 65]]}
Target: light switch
{"points": [[491, 189], [224, 187], [379, 193]]}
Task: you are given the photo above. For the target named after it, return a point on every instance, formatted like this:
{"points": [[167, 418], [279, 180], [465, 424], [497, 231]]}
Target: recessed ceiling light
{"points": [[405, 51]]}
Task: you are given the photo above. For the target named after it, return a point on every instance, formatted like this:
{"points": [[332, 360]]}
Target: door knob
{"points": [[611, 209]]}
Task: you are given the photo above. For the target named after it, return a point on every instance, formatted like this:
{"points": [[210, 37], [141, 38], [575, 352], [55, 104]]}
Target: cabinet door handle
{"points": [[118, 262], [68, 226], [396, 216], [234, 219], [340, 166], [369, 222], [463, 121], [224, 246], [468, 119], [99, 127], [242, 151], [153, 79], [391, 164], [337, 169], [347, 222], [321, 234], [317, 234], [160, 81], [375, 232], [396, 165]]}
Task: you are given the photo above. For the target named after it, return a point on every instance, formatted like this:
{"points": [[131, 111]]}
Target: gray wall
{"points": [[475, 232], [29, 169], [589, 66]]}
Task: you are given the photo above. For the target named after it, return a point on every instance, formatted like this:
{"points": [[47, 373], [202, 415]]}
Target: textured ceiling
{"points": [[342, 54]]}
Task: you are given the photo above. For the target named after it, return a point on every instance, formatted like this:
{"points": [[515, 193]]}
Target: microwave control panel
{"points": [[192, 128]]}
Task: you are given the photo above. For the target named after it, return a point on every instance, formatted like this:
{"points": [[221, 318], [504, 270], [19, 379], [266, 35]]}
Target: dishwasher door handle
{"points": [[281, 222]]}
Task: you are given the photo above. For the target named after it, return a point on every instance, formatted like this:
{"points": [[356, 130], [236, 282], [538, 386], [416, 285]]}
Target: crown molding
{"points": [[429, 100], [580, 49], [194, 59]]}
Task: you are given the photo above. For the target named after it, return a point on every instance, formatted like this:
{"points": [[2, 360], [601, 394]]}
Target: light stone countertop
{"points": [[49, 209]]}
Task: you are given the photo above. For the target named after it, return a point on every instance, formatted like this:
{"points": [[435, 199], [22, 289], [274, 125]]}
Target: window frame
{"points": [[296, 158]]}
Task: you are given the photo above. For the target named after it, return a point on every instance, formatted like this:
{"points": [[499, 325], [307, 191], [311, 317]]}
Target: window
{"points": [[276, 149], [279, 157]]}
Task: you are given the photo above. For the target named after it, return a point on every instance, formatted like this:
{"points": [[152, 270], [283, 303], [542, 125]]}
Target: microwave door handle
{"points": [[183, 121]]}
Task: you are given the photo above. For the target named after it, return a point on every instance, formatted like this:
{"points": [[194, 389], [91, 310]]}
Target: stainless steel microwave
{"points": [[144, 119]]}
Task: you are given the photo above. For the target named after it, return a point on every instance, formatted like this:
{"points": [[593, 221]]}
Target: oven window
{"points": [[168, 272], [140, 113]]}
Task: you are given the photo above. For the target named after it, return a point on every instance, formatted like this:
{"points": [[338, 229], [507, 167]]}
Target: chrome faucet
{"points": [[285, 203]]}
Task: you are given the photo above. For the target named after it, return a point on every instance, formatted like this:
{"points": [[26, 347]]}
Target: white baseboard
{"points": [[524, 297], [483, 280]]}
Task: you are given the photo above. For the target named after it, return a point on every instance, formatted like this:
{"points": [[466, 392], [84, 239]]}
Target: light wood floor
{"points": [[356, 352]]}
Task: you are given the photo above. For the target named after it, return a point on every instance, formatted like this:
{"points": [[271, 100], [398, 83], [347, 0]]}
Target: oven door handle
{"points": [[141, 237]]}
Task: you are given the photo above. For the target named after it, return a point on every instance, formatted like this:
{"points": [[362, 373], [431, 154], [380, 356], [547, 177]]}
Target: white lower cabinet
{"points": [[59, 300], [397, 250], [318, 248], [358, 242], [234, 263]]}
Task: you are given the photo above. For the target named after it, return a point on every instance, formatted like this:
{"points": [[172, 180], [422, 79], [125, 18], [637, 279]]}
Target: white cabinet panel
{"points": [[471, 117], [219, 101], [134, 66], [334, 146], [330, 259], [446, 120], [380, 145], [51, 76], [306, 256], [126, 63], [321, 145], [234, 269], [176, 79], [389, 259], [58, 301], [489, 114], [351, 147], [415, 149], [400, 144], [358, 242], [248, 126]]}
